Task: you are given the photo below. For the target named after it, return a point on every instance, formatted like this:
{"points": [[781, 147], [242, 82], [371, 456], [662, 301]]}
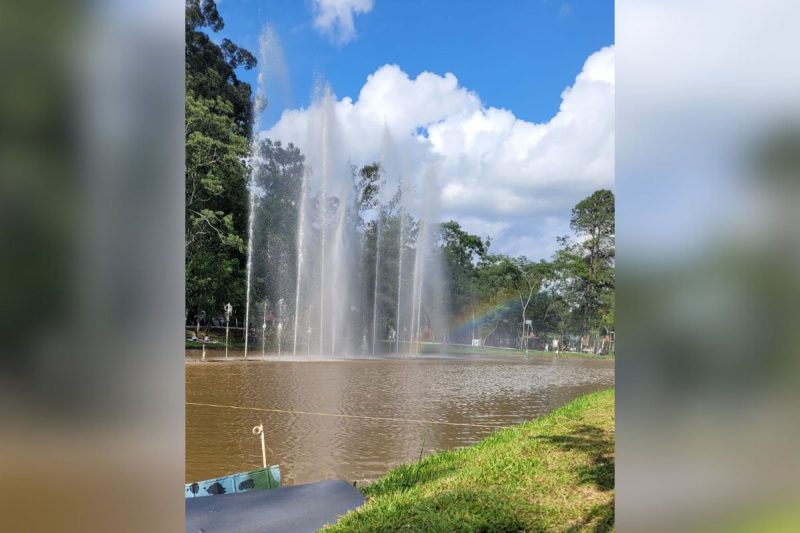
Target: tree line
{"points": [[521, 303]]}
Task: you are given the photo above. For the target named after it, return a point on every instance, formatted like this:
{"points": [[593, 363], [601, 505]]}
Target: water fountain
{"points": [[375, 288], [347, 300], [279, 329], [252, 163]]}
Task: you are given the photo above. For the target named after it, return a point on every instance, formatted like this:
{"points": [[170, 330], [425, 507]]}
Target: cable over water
{"points": [[341, 415]]}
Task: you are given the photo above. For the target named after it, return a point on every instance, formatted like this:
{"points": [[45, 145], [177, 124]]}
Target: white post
{"points": [[204, 352], [472, 339], [264, 332], [228, 309], [527, 329], [259, 430], [226, 338]]}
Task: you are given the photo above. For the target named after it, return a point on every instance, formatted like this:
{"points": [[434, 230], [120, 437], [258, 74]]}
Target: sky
{"points": [[513, 101]]}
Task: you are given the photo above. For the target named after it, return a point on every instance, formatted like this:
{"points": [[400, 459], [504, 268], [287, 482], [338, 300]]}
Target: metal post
{"points": [[264, 331], [472, 339], [259, 430], [526, 329], [228, 310]]}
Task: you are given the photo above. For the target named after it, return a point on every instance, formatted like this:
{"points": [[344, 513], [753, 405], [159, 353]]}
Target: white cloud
{"points": [[498, 174], [335, 17]]}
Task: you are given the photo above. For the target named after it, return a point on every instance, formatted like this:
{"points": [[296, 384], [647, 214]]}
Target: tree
{"points": [[586, 263], [527, 278], [215, 189], [460, 252], [211, 68], [494, 273], [367, 184], [278, 180], [593, 221], [218, 126]]}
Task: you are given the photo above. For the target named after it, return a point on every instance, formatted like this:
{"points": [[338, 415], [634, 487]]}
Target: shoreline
{"points": [[428, 351], [552, 473]]}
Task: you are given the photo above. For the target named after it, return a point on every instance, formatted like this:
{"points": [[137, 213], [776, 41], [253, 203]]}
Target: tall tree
{"points": [[461, 251], [367, 183], [587, 261], [527, 279], [211, 68], [218, 126], [278, 179]]}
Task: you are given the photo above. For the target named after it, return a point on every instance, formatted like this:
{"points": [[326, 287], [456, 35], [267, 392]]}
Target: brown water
{"points": [[472, 395]]}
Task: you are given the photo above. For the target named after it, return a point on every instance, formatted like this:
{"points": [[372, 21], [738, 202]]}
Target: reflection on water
{"points": [[308, 447]]}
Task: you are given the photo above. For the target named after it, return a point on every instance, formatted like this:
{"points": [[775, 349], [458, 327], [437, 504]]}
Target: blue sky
{"points": [[517, 54], [511, 164]]}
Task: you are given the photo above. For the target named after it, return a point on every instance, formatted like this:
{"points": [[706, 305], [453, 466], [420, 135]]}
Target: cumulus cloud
{"points": [[498, 174], [334, 18]]}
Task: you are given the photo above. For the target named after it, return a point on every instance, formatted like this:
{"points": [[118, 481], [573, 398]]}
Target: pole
{"points": [[526, 329], [228, 310], [472, 340], [259, 430], [264, 331]]}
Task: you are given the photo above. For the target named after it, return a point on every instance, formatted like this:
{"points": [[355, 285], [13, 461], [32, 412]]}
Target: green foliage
{"points": [[460, 252], [574, 293], [389, 237], [278, 179], [367, 183], [586, 264], [211, 68], [218, 123]]}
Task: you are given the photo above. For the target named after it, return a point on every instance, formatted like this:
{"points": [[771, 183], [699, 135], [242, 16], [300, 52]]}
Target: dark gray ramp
{"points": [[297, 508]]}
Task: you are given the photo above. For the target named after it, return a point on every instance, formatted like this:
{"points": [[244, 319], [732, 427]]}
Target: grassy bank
{"points": [[196, 345], [555, 473], [459, 349]]}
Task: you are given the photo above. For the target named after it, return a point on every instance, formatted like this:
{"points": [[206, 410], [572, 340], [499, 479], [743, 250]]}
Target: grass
{"points": [[459, 349], [555, 473], [218, 345]]}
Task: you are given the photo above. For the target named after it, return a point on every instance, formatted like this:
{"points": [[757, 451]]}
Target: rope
{"points": [[361, 417]]}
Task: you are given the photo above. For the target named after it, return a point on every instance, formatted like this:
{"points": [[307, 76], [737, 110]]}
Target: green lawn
{"points": [[458, 349], [218, 345], [555, 473]]}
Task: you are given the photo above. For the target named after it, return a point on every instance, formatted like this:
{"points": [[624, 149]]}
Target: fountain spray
{"points": [[258, 106], [377, 271], [300, 244], [400, 266]]}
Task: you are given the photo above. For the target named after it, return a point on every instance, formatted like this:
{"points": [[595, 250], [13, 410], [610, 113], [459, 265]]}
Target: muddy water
{"points": [[393, 407]]}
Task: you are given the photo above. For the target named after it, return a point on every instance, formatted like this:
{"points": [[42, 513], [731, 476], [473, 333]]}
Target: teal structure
{"points": [[263, 478]]}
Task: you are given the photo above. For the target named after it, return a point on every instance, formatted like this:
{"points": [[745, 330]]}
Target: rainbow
{"points": [[462, 323]]}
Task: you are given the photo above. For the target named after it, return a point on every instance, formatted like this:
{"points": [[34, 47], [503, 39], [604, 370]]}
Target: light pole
{"points": [[280, 323], [264, 330], [528, 326], [228, 310]]}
